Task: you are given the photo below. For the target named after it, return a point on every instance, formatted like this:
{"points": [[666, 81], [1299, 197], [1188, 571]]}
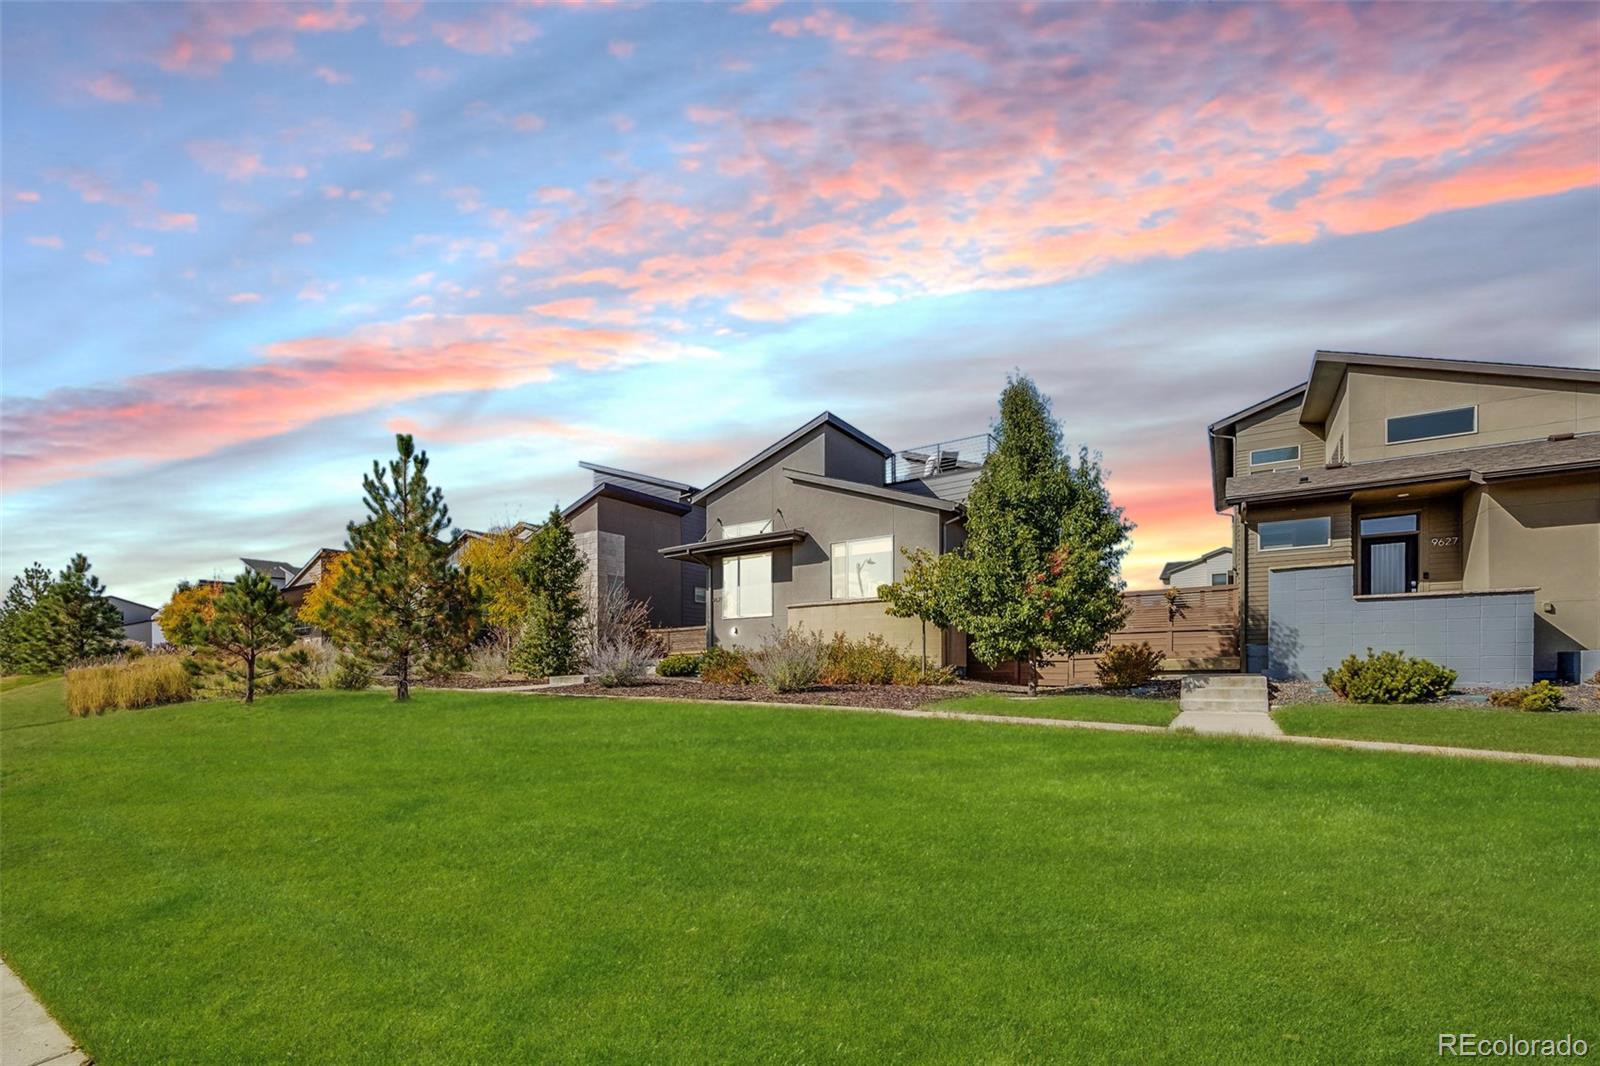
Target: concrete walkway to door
{"points": [[28, 1035]]}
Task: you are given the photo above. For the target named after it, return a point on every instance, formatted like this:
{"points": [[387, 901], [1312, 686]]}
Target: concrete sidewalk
{"points": [[28, 1035]]}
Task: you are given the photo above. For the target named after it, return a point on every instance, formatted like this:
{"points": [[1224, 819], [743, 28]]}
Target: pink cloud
{"points": [[237, 163], [245, 298], [621, 49], [303, 238], [25, 196], [112, 88], [490, 31], [50, 241], [73, 433], [329, 76]]}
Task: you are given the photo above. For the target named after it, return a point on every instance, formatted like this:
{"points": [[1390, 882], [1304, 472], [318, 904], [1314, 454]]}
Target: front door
{"points": [[1388, 565]]}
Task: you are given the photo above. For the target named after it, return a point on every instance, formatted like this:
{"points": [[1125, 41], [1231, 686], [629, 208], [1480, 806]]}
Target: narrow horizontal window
{"points": [[1452, 423], [1394, 523], [746, 529], [1268, 456], [1219, 579], [860, 566], [1295, 533]]}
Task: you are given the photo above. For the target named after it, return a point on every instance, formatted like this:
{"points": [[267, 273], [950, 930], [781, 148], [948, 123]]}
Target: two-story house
{"points": [[1447, 508], [803, 533]]}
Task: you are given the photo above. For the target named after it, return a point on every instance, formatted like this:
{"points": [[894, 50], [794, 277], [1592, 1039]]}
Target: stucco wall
{"points": [[1509, 409], [859, 618], [1487, 638]]}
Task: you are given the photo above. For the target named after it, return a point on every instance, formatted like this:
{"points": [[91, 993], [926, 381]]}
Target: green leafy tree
{"points": [[76, 621], [251, 622], [1039, 574], [22, 649], [398, 596], [552, 633], [920, 593]]}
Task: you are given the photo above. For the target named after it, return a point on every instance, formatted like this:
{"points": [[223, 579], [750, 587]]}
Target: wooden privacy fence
{"points": [[681, 639], [1194, 629]]}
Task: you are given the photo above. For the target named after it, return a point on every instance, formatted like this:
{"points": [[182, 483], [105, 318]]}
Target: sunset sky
{"points": [[246, 243]]}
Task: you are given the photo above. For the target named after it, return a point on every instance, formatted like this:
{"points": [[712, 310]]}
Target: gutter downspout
{"points": [[1244, 591]]}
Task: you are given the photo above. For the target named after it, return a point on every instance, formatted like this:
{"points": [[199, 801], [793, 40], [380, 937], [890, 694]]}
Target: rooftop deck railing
{"points": [[961, 453]]}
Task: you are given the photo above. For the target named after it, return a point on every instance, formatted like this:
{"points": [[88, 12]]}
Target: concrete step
{"points": [[1257, 704], [1224, 682], [1238, 723]]}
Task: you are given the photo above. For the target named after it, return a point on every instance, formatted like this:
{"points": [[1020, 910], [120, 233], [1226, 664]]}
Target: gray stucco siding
{"points": [[1315, 621]]}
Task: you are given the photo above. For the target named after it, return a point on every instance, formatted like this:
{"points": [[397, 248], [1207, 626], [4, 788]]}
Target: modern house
{"points": [[305, 578], [801, 534], [1446, 508], [138, 622], [1215, 567], [622, 523], [278, 573]]}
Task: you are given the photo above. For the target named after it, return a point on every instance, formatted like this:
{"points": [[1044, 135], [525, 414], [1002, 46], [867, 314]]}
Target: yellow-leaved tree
{"points": [[188, 615], [327, 604], [496, 578]]}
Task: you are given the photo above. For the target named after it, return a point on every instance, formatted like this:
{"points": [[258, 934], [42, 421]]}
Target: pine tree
{"points": [[77, 622], [1039, 574], [252, 621], [22, 649], [401, 600], [920, 593], [552, 633]]}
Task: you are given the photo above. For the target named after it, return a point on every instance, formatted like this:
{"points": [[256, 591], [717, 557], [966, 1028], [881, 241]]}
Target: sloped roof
{"points": [[1167, 571], [826, 418], [627, 495], [634, 475], [1483, 464], [878, 492]]}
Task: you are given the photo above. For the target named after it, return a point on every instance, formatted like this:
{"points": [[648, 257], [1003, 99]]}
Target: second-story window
{"points": [[746, 529], [860, 566], [1273, 456], [1456, 422]]}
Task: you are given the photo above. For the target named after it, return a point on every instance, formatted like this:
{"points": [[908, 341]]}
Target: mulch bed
{"points": [[474, 681], [898, 697], [1573, 697]]}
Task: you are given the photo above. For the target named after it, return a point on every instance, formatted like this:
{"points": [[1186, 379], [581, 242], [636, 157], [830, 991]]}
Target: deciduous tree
{"points": [[1039, 574], [494, 567], [326, 607], [920, 593], [188, 615]]}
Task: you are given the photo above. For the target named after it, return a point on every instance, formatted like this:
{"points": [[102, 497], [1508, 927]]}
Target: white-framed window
{"points": [[1289, 453], [860, 566], [1295, 533], [746, 529], [1430, 425], [747, 586]]}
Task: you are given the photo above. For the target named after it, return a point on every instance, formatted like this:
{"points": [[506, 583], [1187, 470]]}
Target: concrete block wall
{"points": [[1315, 621]]}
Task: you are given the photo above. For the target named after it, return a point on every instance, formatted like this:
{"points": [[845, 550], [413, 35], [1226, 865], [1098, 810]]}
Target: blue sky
{"points": [[245, 243]]}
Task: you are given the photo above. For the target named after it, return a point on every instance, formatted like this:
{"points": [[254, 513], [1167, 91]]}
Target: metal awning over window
{"points": [[706, 550]]}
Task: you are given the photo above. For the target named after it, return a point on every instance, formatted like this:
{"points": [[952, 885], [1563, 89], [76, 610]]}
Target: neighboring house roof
{"points": [[705, 550], [627, 495], [132, 613], [1168, 570], [1488, 463], [826, 418], [267, 566], [879, 492], [313, 561], [633, 475]]}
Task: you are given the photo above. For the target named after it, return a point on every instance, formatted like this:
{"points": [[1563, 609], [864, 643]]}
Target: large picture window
{"points": [[860, 566], [1294, 533], [1452, 423], [747, 586]]}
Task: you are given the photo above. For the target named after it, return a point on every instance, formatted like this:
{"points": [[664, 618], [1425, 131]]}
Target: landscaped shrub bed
{"points": [[1539, 696], [1127, 665], [1389, 677], [874, 661], [123, 684], [682, 664], [721, 666]]}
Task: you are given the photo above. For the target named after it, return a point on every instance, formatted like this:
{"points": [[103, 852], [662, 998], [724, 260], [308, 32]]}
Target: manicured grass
{"points": [[44, 700], [1555, 733], [490, 877], [1082, 708], [11, 681]]}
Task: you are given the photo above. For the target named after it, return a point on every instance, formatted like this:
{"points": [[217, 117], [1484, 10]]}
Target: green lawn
{"points": [[1087, 708], [11, 681], [481, 877], [1558, 733]]}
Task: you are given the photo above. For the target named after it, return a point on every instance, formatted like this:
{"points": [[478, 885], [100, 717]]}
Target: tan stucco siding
{"points": [[1276, 427], [857, 619], [1544, 533], [1338, 550], [1509, 409]]}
